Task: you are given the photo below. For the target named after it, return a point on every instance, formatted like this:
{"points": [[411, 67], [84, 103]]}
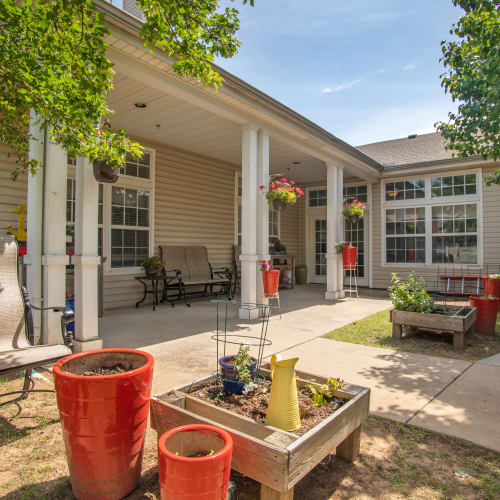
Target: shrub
{"points": [[410, 296]]}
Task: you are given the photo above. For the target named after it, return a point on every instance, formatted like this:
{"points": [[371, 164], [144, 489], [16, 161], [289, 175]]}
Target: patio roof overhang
{"points": [[208, 121]]}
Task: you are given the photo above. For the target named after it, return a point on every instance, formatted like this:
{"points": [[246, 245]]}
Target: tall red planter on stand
{"points": [[487, 310], [185, 476], [104, 419], [349, 255], [491, 286], [271, 281]]}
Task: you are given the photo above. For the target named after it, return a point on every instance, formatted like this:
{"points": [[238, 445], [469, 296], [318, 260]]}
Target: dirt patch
{"points": [[106, 370], [254, 405], [396, 461]]}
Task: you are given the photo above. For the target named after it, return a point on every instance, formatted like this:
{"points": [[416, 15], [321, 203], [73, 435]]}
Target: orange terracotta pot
{"points": [[349, 257], [271, 281]]}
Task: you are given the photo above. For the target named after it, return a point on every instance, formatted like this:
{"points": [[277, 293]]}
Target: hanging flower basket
{"points": [[105, 173], [282, 192], [354, 211]]}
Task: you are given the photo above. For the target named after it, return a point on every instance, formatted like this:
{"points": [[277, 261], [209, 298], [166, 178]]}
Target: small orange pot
{"points": [[271, 281]]}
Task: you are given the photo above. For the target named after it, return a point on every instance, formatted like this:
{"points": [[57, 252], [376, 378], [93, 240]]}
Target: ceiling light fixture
{"points": [[140, 104], [296, 162]]}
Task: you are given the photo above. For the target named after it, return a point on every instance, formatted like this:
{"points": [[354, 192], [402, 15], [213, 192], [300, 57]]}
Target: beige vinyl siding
{"points": [[193, 205], [381, 276], [12, 193], [289, 229]]}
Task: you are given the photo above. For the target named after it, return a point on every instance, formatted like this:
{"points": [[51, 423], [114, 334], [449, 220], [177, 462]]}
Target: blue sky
{"points": [[364, 70]]}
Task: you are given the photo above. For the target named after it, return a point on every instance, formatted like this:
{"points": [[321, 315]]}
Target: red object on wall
{"points": [[104, 419], [491, 286], [487, 310], [191, 477], [271, 281], [22, 251], [349, 257]]}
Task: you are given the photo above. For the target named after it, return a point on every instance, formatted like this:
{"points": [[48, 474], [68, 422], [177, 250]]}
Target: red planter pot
{"points": [[491, 286], [487, 310], [104, 419], [271, 280], [349, 257], [187, 478]]}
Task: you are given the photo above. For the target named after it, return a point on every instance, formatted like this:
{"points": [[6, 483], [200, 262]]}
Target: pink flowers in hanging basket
{"points": [[283, 190], [354, 209]]}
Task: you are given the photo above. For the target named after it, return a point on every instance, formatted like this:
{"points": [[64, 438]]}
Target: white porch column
{"points": [[340, 231], [54, 258], [248, 255], [86, 259], [33, 258], [262, 207], [332, 220]]}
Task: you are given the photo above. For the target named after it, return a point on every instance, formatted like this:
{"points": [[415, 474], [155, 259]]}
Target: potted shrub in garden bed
{"points": [[194, 461], [349, 254], [238, 370], [103, 400], [487, 310], [152, 265], [414, 308]]}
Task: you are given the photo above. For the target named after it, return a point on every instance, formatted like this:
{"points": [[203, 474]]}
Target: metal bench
{"points": [[17, 351], [188, 273]]}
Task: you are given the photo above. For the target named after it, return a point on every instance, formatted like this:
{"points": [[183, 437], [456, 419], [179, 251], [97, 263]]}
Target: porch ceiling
{"points": [[185, 126]]}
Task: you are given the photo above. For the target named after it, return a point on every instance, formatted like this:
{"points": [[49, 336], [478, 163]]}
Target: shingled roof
{"points": [[410, 150]]}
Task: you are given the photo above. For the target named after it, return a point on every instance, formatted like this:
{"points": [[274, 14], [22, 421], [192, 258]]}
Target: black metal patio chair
{"points": [[17, 349]]}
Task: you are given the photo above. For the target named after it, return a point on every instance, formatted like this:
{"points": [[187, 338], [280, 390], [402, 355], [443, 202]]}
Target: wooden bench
{"points": [[188, 273]]}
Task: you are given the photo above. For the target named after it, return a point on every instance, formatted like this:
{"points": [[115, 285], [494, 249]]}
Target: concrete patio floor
{"points": [[450, 396]]}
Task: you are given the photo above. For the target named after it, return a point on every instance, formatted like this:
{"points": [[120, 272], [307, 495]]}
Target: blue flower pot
{"points": [[233, 386], [228, 371]]}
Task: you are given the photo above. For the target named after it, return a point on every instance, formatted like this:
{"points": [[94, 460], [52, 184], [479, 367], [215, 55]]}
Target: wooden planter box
{"points": [[277, 459], [460, 324]]}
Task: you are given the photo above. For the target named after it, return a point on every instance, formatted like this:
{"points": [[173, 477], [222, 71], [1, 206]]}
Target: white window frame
{"points": [[428, 202]]}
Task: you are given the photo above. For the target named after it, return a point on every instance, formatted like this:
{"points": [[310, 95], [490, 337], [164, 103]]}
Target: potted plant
{"points": [[270, 278], [152, 265], [277, 247], [491, 285], [194, 461], [282, 192], [238, 370], [103, 399], [487, 310], [354, 211], [349, 253]]}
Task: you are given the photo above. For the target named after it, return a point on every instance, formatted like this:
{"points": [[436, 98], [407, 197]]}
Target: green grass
{"points": [[376, 330]]}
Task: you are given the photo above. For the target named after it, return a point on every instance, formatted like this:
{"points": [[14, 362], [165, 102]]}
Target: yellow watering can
{"points": [[283, 409]]}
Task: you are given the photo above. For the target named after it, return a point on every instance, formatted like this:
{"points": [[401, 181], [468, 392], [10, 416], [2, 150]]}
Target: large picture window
{"points": [[433, 220]]}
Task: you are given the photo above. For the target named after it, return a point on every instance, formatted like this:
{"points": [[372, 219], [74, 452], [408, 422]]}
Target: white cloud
{"points": [[381, 71], [409, 67], [343, 86]]}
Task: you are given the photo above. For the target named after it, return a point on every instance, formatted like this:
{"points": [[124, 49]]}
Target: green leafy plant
{"points": [[155, 262], [494, 276], [471, 60], [284, 190], [344, 244], [55, 72], [278, 246], [320, 393], [242, 361], [410, 296], [354, 209]]}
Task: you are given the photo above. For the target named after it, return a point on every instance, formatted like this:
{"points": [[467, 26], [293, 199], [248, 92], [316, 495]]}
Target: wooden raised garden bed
{"points": [[275, 458], [459, 322]]}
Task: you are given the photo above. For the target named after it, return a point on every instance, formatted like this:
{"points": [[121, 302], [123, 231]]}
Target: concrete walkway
{"points": [[454, 397]]}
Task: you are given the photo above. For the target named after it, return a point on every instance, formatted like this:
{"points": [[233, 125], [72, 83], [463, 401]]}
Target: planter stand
{"points": [[461, 324], [275, 458]]}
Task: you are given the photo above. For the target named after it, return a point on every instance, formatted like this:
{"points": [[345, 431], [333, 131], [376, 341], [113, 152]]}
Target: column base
{"points": [[248, 313], [87, 345], [335, 295]]}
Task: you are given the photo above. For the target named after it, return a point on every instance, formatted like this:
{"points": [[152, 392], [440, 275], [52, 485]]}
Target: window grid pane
{"points": [[405, 235], [317, 198], [138, 167], [405, 190], [453, 185], [359, 193]]}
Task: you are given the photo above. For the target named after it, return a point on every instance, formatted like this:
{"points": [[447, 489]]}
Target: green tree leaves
{"points": [[472, 77]]}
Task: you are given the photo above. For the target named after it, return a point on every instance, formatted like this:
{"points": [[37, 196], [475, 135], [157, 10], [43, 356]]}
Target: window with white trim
{"points": [[437, 223], [317, 198], [359, 193]]}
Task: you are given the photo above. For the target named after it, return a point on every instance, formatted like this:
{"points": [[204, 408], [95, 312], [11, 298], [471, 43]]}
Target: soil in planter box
{"points": [[254, 405], [106, 370]]}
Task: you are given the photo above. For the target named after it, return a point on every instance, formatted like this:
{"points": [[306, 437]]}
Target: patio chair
{"points": [[236, 268], [17, 351]]}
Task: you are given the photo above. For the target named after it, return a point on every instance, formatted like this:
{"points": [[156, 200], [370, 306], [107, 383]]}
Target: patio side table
{"points": [[153, 288]]}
